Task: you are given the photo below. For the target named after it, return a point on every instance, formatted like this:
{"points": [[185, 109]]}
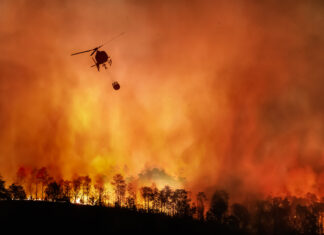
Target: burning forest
{"points": [[273, 215], [216, 109]]}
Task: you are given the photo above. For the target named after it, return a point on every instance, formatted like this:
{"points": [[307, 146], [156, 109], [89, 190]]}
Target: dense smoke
{"points": [[215, 94]]}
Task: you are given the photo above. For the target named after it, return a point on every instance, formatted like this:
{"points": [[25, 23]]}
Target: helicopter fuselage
{"points": [[101, 57]]}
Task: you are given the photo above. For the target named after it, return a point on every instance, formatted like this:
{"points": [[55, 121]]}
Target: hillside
{"points": [[57, 217]]}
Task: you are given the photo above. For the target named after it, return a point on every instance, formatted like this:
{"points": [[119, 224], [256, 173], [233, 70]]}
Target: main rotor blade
{"points": [[113, 38], [94, 50], [82, 52]]}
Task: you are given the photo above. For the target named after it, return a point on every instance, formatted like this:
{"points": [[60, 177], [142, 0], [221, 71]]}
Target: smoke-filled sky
{"points": [[214, 94]]}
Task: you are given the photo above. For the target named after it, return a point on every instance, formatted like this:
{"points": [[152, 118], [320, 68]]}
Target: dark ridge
{"points": [[29, 216]]}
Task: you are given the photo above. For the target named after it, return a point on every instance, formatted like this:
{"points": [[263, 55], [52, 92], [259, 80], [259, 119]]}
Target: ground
{"points": [[59, 217]]}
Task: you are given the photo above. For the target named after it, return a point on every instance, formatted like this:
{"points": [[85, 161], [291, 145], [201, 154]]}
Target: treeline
{"points": [[37, 184], [274, 215]]}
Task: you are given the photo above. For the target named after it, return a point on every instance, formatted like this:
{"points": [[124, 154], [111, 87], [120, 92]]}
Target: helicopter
{"points": [[100, 57]]}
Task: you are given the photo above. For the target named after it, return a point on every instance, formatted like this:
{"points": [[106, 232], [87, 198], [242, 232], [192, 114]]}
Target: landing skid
{"points": [[96, 64]]}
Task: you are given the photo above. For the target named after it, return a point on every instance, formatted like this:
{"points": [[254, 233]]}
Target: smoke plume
{"points": [[223, 94]]}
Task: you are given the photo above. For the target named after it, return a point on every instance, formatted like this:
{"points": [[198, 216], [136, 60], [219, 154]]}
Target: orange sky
{"points": [[215, 94]]}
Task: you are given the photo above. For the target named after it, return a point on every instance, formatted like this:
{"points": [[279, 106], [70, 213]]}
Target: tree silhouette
{"points": [[241, 214], [263, 223], [182, 202], [91, 200], [201, 199], [86, 186], [154, 197], [76, 186], [307, 220], [28, 182], [42, 177], [4, 194], [67, 188], [53, 191], [105, 197], [146, 192], [35, 180], [165, 197], [193, 210], [100, 188], [120, 188], [131, 199], [130, 203], [280, 212], [173, 202], [218, 206], [17, 192]]}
